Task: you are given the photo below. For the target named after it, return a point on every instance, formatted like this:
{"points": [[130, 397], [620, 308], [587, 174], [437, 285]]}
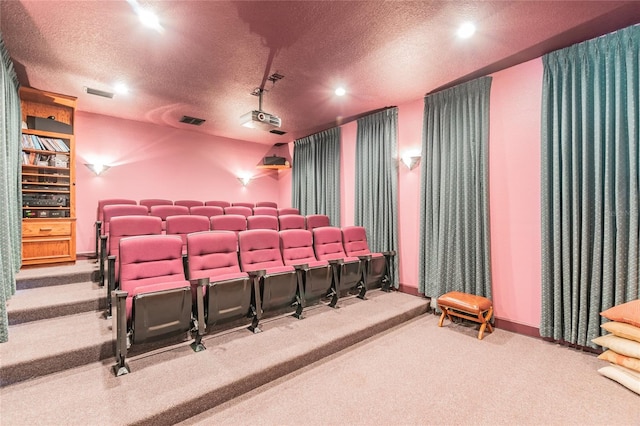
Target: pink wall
{"points": [[151, 161], [410, 117], [514, 169], [284, 177], [348, 173]]}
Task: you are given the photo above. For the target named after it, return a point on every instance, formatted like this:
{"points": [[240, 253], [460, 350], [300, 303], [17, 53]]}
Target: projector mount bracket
{"points": [[259, 91]]}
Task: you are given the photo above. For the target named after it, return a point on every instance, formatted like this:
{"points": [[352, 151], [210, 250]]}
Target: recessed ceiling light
{"points": [[121, 88], [340, 91], [149, 19], [466, 30], [146, 16]]}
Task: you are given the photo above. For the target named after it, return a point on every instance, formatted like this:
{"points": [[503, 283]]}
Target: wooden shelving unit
{"points": [[282, 167], [48, 181]]}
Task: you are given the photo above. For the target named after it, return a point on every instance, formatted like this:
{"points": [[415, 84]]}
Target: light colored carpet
{"points": [[173, 384], [81, 271], [419, 374]]}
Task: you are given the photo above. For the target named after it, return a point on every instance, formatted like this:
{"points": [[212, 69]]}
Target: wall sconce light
{"points": [[97, 168], [244, 180], [411, 160]]}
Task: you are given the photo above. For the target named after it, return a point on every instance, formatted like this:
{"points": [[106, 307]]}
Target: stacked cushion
{"points": [[623, 344]]}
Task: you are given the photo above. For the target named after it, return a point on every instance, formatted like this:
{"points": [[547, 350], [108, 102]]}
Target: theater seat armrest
{"points": [[185, 266], [111, 282], [389, 253], [301, 267], [258, 273], [111, 262], [203, 282], [336, 261], [199, 284], [119, 330], [365, 257]]}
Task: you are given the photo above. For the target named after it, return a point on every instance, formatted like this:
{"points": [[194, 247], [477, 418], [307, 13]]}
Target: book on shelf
{"points": [[48, 160], [59, 145], [36, 142], [26, 142], [44, 144]]}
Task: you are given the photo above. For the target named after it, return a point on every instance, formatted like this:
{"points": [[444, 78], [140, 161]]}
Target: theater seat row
{"points": [[149, 202], [229, 276], [165, 208], [196, 207], [116, 228]]}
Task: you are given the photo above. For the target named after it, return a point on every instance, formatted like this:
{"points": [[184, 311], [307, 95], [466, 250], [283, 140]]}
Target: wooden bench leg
{"points": [[444, 314], [484, 320]]}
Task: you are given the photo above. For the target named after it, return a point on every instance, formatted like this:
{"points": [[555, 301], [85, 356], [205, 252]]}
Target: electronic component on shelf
{"points": [[44, 200]]}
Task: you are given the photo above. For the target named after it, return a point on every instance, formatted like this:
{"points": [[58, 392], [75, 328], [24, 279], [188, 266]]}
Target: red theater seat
{"points": [[317, 277], [327, 244], [217, 203], [262, 222], [279, 287], [267, 204], [149, 202], [291, 221], [189, 203], [229, 222], [225, 291], [206, 211], [265, 211], [154, 300], [375, 265], [164, 211], [317, 220], [121, 227]]}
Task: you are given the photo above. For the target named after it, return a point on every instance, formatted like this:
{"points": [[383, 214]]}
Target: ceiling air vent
{"points": [[192, 120], [277, 132], [97, 92]]}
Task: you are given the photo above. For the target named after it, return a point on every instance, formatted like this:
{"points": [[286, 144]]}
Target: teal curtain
{"points": [[590, 180], [316, 175], [454, 213], [10, 195], [376, 179]]}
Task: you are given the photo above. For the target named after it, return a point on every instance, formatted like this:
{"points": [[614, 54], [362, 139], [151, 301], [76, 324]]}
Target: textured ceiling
{"points": [[213, 54]]}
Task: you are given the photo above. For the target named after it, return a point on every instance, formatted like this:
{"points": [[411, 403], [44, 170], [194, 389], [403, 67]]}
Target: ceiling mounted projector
{"points": [[260, 120]]}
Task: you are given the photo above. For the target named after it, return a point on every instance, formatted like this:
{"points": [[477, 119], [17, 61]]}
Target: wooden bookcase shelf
{"points": [[48, 181], [282, 167]]}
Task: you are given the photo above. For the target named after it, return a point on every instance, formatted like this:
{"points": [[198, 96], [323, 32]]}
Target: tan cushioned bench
{"points": [[469, 306]]}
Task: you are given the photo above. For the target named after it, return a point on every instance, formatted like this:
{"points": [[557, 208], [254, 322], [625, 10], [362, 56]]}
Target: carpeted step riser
{"points": [[46, 281], [15, 373], [37, 314], [243, 385]]}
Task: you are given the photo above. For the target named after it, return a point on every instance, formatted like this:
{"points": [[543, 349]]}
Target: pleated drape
{"points": [[454, 214], [590, 180], [10, 195], [376, 180], [316, 175]]}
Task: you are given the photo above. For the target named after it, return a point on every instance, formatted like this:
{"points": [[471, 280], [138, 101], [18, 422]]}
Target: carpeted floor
{"points": [[381, 361], [171, 384], [419, 374]]}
